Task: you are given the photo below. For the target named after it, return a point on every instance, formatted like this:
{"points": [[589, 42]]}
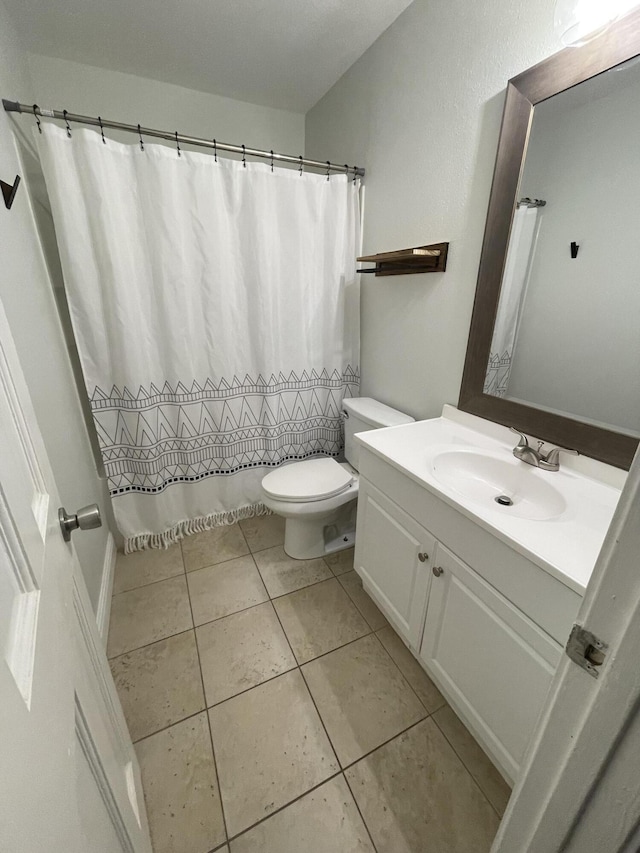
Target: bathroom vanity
{"points": [[484, 593]]}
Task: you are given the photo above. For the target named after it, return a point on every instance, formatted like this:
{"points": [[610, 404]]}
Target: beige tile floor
{"points": [[274, 710]]}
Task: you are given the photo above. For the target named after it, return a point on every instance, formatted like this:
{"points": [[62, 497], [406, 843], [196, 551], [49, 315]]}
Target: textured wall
{"points": [[84, 89], [421, 111]]}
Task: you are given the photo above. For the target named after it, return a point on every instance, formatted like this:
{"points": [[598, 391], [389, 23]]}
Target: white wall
{"points": [[61, 84], [421, 112], [27, 297], [578, 347]]}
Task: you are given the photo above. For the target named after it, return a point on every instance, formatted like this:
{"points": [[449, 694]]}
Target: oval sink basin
{"points": [[482, 478]]}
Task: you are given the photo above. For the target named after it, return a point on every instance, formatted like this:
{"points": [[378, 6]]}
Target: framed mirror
{"points": [[554, 343]]}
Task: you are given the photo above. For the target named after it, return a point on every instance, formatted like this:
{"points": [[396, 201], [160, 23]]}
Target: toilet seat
{"points": [[311, 480]]}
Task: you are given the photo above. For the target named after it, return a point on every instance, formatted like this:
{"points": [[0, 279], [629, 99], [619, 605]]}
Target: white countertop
{"points": [[567, 545]]}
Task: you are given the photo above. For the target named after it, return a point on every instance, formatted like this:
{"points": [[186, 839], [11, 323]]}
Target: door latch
{"points": [[585, 649]]}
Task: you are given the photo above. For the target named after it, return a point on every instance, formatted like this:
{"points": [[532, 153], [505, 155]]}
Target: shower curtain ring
{"points": [[37, 117], [244, 157], [328, 169], [272, 159], [101, 129], [354, 175], [140, 138], [300, 158], [215, 150], [178, 145], [66, 121]]}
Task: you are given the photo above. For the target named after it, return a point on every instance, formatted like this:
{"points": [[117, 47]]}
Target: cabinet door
{"points": [[491, 662], [394, 557]]}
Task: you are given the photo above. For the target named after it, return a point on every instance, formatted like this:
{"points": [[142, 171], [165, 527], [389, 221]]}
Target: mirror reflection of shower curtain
{"points": [[215, 307], [512, 296]]}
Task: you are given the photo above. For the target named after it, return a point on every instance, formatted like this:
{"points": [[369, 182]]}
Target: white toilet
{"points": [[318, 497]]}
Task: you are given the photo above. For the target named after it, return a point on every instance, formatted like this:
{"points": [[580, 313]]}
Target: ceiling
{"points": [[279, 53]]}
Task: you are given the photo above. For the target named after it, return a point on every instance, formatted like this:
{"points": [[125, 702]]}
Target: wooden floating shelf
{"points": [[419, 259]]}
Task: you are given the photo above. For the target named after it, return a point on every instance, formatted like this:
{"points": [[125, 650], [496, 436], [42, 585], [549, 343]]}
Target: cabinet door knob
{"points": [[423, 556], [437, 570]]}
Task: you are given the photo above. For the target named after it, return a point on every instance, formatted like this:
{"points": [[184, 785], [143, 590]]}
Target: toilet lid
{"points": [[313, 479]]}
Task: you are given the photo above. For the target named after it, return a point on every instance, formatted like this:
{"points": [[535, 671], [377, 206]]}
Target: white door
{"points": [[579, 789], [69, 780], [393, 557], [492, 663]]}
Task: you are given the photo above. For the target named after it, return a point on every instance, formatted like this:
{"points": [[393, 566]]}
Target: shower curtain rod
{"points": [[64, 115]]}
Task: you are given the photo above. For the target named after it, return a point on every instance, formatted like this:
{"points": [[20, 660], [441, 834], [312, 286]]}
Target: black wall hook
{"points": [[574, 250], [9, 191]]}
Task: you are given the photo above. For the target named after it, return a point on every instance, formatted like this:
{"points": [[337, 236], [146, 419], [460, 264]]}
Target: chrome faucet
{"points": [[534, 456]]}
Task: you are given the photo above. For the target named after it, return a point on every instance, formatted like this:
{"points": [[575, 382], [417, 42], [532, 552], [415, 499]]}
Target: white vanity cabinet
{"points": [[491, 661], [395, 555], [486, 623]]}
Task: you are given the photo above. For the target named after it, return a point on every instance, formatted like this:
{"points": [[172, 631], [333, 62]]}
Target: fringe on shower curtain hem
{"points": [[193, 525]]}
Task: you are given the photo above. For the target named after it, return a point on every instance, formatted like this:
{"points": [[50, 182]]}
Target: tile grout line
{"points": [[298, 666], [355, 603], [336, 755], [220, 846], [385, 743], [364, 823], [341, 772], [291, 591], [170, 725], [152, 643], [460, 759], [206, 711], [149, 583], [397, 666], [244, 610], [283, 807], [295, 666], [187, 572]]}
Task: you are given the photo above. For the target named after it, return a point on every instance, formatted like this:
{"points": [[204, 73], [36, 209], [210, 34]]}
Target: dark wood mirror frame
{"points": [[568, 68]]}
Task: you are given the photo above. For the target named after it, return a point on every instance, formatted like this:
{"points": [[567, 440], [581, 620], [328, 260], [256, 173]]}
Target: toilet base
{"points": [[316, 537]]}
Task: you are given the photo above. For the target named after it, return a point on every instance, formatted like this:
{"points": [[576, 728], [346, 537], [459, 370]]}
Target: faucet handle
{"points": [[554, 454], [524, 441], [551, 462]]}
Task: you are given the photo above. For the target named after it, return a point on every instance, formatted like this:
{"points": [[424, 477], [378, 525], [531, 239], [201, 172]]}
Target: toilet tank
{"points": [[362, 414]]}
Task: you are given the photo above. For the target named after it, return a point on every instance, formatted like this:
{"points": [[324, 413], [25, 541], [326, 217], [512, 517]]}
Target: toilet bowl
{"points": [[318, 497]]}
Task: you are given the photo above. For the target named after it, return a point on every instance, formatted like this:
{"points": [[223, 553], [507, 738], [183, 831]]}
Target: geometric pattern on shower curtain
{"points": [[496, 381], [157, 436]]}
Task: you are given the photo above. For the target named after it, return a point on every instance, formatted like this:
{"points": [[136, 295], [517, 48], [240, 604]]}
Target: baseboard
{"points": [[106, 588]]}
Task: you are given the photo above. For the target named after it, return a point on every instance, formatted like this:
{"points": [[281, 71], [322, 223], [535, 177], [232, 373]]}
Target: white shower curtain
{"points": [[514, 281], [215, 309]]}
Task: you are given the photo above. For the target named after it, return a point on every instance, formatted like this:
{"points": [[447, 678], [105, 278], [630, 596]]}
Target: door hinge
{"points": [[585, 649]]}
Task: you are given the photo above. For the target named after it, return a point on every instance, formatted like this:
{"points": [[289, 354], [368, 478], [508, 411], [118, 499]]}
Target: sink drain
{"points": [[503, 500]]}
